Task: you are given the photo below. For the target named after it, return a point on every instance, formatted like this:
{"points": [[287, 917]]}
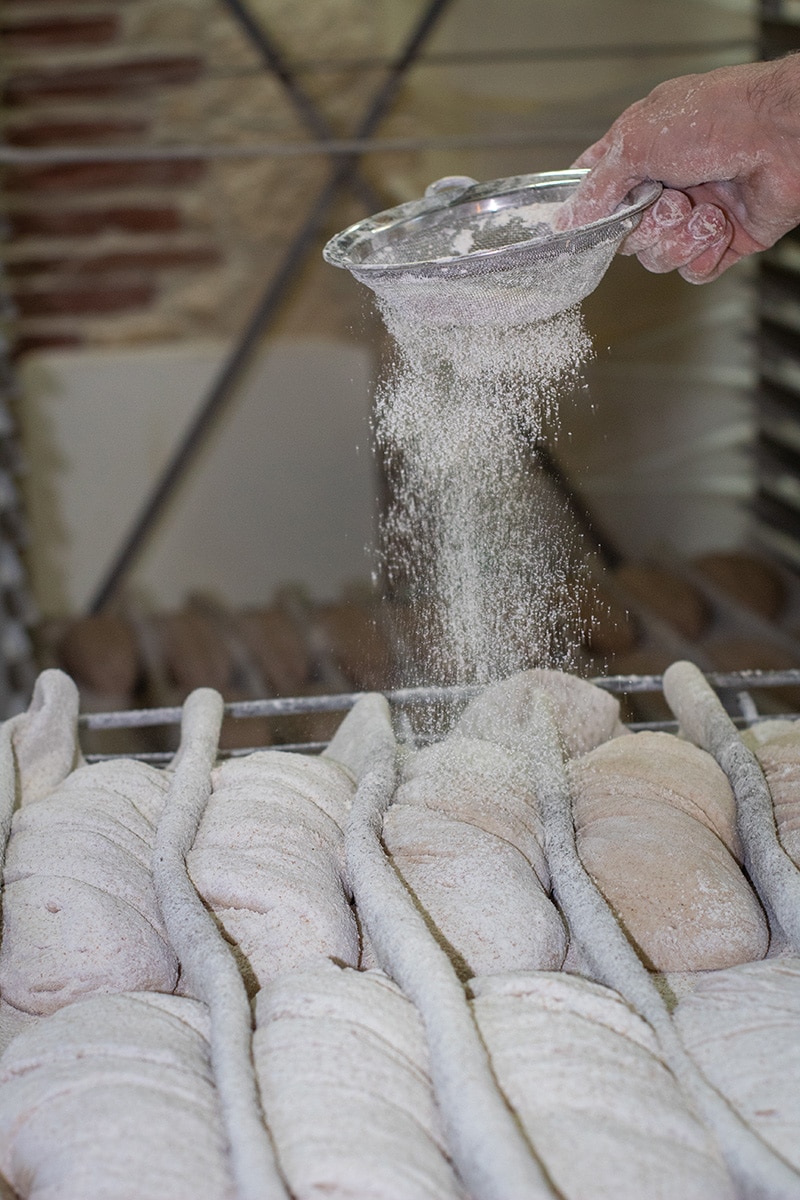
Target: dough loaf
{"points": [[742, 1027], [79, 908], [268, 861], [655, 825], [776, 745], [111, 1098], [465, 836], [583, 1074], [342, 1066]]}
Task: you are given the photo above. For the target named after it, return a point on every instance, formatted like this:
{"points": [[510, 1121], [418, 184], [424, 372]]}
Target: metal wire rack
{"points": [[735, 689]]}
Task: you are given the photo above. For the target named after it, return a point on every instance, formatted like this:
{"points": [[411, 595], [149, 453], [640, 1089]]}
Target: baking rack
{"points": [[734, 688]]}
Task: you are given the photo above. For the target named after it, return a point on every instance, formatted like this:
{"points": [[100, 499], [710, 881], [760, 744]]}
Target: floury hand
{"points": [[726, 146]]}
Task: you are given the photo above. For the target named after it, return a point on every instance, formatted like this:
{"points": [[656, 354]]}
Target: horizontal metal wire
{"points": [[159, 758], [336, 147], [275, 706], [511, 54], [278, 706], [164, 757], [51, 156]]}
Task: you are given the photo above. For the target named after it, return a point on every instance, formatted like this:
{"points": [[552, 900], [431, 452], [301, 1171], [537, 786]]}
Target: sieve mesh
{"points": [[485, 254], [536, 287]]}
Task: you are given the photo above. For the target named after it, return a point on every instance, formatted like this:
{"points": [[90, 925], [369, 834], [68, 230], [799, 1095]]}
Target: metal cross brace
{"points": [[267, 309], [309, 113]]}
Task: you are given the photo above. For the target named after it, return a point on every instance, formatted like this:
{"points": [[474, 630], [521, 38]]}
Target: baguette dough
{"points": [[79, 909], [111, 1098], [342, 1066], [464, 835], [742, 1027], [268, 861], [45, 737], [776, 745], [586, 715], [482, 783], [583, 1074], [655, 825], [478, 894]]}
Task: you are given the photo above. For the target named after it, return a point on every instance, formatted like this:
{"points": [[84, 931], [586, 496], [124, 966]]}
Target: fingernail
{"points": [[705, 224], [667, 211]]}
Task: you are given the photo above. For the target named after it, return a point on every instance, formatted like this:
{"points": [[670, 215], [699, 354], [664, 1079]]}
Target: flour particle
{"points": [[474, 542]]}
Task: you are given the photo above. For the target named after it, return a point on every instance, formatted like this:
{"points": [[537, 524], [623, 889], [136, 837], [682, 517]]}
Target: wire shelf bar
{"points": [[740, 683]]}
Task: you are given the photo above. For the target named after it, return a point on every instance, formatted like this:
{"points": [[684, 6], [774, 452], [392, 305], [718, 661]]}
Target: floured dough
{"points": [[474, 780], [46, 737], [583, 1074], [465, 836], [479, 895], [655, 825], [586, 715], [111, 1098], [776, 745], [742, 1027], [342, 1066], [79, 909], [267, 860]]}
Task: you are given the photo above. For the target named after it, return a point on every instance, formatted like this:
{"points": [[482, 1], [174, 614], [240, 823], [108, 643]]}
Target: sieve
{"points": [[470, 253]]}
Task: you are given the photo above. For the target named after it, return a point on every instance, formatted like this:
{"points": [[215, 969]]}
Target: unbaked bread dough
{"points": [[79, 909], [742, 1027], [481, 899], [584, 1075], [655, 825], [268, 860], [586, 715], [111, 1098], [342, 1066], [464, 835], [776, 745], [474, 780]]}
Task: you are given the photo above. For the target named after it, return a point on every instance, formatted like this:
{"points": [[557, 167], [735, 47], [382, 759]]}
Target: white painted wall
{"points": [[284, 492]]}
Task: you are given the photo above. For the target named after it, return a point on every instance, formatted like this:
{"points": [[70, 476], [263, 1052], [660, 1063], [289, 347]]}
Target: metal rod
{"points": [[158, 758], [387, 91], [306, 108], [278, 706], [523, 54], [457, 58], [260, 38], [332, 148], [265, 313]]}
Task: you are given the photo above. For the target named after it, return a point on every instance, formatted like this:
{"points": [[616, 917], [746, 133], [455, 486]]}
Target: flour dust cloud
{"points": [[475, 541]]}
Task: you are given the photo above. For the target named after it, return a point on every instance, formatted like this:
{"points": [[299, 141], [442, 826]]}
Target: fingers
{"points": [[669, 211], [696, 244], [711, 263], [673, 235]]}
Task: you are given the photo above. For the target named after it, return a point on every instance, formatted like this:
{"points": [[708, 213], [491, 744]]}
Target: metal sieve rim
{"points": [[350, 249]]}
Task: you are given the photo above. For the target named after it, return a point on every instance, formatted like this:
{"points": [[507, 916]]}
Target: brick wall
{"points": [[103, 254]]}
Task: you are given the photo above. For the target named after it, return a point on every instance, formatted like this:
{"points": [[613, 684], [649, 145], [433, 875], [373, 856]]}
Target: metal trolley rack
{"points": [[735, 688]]}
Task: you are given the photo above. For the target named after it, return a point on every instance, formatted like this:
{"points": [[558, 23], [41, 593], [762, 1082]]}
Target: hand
{"points": [[726, 146]]}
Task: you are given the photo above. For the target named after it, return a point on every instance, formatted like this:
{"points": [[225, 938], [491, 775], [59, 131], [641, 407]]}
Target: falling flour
{"points": [[472, 539]]}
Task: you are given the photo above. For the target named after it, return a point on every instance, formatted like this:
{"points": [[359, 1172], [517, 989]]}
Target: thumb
{"points": [[592, 155], [598, 194]]}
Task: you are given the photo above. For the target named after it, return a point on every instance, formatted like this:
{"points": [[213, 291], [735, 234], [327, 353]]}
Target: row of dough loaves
{"points": [[388, 973]]}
